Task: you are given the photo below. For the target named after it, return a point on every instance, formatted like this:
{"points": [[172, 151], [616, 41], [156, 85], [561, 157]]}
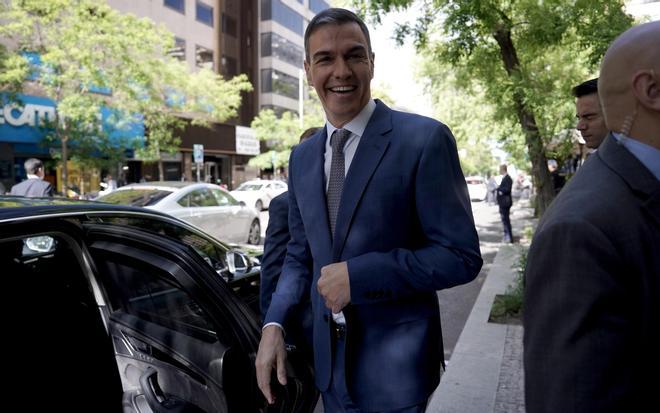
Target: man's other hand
{"points": [[271, 355]]}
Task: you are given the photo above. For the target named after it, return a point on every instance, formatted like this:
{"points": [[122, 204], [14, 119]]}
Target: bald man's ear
{"points": [[646, 87]]}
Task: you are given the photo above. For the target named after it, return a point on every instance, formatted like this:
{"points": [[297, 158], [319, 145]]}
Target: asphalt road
{"points": [[456, 303]]}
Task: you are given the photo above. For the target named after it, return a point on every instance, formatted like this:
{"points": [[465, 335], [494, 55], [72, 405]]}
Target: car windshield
{"points": [[475, 181], [249, 187], [135, 197]]}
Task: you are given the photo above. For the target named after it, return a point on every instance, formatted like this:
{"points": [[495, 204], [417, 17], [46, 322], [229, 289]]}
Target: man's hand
{"points": [[271, 355], [334, 286]]}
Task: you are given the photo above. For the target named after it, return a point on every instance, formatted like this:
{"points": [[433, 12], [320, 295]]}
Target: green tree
{"points": [[525, 55], [283, 132], [93, 56]]}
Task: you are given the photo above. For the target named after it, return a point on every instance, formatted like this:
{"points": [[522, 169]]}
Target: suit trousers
{"points": [[506, 223], [337, 398]]}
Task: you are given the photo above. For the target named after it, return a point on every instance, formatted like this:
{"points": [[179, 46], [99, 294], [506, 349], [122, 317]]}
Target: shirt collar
{"points": [[359, 123], [30, 176], [646, 154]]}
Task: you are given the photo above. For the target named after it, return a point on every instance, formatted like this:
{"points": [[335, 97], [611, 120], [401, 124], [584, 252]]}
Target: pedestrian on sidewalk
{"points": [[504, 201], [380, 219], [35, 185], [591, 315]]}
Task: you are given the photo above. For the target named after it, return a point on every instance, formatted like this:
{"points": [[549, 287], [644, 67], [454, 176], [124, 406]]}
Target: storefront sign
{"points": [[246, 141]]}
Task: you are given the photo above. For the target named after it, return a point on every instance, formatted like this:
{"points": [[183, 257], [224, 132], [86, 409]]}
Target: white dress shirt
{"points": [[356, 127]]}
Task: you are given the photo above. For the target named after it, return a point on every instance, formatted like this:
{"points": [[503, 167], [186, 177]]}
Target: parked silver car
{"points": [[207, 206], [259, 192]]}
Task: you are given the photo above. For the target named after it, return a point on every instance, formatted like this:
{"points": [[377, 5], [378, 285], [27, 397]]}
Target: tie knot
{"points": [[339, 138]]}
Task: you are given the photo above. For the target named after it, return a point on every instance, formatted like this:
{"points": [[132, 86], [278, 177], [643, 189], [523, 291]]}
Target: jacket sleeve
{"points": [[296, 278], [277, 236], [448, 249]]}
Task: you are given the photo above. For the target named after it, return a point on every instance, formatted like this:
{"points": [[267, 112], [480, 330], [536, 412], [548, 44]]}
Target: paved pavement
{"points": [[485, 372]]}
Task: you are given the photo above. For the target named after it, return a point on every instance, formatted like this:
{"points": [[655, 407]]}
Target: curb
{"points": [[472, 379]]}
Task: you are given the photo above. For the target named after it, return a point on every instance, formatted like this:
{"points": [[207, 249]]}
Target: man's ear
{"points": [[646, 87], [373, 59], [309, 77]]}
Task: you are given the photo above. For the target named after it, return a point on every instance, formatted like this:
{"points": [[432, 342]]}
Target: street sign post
{"points": [[198, 157]]}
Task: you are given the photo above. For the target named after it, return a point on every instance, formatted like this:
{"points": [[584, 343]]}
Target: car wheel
{"points": [[254, 236], [259, 205]]}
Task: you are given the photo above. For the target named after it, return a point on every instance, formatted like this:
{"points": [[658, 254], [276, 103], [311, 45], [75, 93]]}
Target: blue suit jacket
{"points": [[405, 228], [277, 237]]}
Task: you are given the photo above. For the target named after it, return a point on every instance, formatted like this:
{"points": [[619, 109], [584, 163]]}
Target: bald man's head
{"points": [[629, 83]]}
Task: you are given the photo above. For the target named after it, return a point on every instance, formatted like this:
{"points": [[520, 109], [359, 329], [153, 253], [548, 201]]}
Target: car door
{"points": [[180, 334]]}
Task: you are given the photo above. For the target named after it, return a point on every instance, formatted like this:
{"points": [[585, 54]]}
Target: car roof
{"points": [[16, 207], [171, 185]]}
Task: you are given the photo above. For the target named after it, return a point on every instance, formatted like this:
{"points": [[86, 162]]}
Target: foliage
{"points": [[525, 56], [282, 133], [91, 56], [510, 304]]}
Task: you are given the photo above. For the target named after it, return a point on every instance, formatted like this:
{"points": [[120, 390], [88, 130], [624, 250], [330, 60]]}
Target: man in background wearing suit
{"points": [[380, 219], [34, 186], [591, 123], [504, 202], [277, 237], [592, 318]]}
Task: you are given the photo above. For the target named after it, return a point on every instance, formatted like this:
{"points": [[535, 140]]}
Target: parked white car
{"points": [[476, 188], [259, 192], [206, 206]]}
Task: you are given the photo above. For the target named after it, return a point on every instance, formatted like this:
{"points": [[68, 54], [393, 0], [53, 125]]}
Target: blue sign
{"points": [[27, 121]]}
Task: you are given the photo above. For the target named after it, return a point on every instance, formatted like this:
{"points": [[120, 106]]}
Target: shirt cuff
{"points": [[274, 324]]}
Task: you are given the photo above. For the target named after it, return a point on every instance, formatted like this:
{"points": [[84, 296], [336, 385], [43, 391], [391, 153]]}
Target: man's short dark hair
{"points": [[586, 88], [33, 165], [308, 133], [337, 17]]}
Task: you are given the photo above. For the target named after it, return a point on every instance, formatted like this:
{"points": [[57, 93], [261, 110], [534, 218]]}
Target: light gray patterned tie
{"points": [[337, 174]]}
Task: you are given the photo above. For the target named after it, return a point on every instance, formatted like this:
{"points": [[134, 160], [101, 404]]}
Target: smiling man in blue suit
{"points": [[380, 219]]}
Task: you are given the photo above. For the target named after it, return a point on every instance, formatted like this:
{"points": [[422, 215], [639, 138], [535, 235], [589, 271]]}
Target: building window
{"points": [[274, 81], [229, 67], [204, 57], [279, 110], [282, 14], [204, 14], [277, 46], [317, 6], [229, 25], [179, 50], [178, 5]]}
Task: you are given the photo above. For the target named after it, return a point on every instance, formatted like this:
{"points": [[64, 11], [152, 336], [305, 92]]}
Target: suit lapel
{"points": [[644, 185], [312, 190], [368, 155]]}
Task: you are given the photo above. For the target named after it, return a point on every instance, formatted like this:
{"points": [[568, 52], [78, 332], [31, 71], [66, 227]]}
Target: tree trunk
{"points": [[161, 171], [65, 157], [540, 173]]}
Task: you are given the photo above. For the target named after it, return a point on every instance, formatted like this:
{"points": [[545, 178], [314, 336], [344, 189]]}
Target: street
{"points": [[456, 303]]}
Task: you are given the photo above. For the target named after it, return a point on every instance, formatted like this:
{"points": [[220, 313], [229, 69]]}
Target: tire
{"points": [[254, 236], [259, 205]]}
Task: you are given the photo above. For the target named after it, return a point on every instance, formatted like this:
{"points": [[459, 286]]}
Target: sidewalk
{"points": [[485, 373]]}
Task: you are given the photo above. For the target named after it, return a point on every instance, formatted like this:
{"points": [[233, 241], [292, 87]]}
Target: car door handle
{"points": [[158, 401]]}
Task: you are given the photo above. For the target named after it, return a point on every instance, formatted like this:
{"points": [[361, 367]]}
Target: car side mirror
{"points": [[241, 203], [238, 262]]}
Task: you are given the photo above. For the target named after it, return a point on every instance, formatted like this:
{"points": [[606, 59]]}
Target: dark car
{"points": [[111, 308]]}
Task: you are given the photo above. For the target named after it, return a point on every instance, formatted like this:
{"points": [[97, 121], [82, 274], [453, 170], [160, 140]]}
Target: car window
{"points": [[213, 254], [249, 187], [202, 198], [223, 198], [151, 294], [135, 197]]}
